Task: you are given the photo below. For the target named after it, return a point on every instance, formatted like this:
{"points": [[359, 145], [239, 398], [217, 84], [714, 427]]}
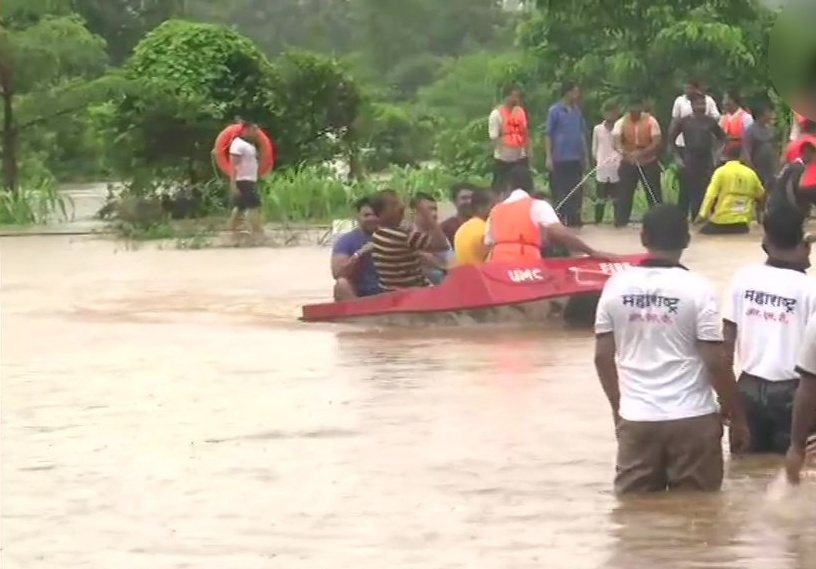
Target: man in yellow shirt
{"points": [[468, 243], [733, 195]]}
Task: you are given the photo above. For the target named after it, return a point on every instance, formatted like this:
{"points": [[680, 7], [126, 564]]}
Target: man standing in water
{"points": [[510, 135], [769, 309], [567, 153], [244, 181], [637, 138], [660, 322], [702, 136], [682, 106], [759, 148]]}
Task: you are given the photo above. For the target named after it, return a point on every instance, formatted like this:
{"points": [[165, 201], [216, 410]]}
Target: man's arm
{"points": [[711, 108], [675, 128], [595, 143], [605, 350], [235, 162], [747, 147], [344, 258], [730, 328], [617, 130], [494, 126], [657, 137], [713, 353], [711, 194], [553, 230]]}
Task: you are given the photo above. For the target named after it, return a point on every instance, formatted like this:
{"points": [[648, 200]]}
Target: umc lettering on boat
{"points": [[612, 268], [525, 275]]}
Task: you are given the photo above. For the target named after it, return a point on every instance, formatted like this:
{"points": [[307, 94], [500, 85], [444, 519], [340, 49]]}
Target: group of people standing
{"points": [[727, 163], [665, 358]]}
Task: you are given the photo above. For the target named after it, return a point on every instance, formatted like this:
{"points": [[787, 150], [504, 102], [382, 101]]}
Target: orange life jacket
{"points": [[514, 126], [733, 125], [636, 135], [515, 236], [794, 149]]}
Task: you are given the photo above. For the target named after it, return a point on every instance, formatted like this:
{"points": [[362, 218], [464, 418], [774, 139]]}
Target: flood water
{"points": [[164, 409]]}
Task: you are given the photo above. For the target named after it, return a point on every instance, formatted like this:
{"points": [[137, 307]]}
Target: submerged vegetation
{"points": [[137, 91]]}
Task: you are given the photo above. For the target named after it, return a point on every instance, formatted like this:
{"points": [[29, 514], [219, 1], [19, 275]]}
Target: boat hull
{"points": [[493, 292]]}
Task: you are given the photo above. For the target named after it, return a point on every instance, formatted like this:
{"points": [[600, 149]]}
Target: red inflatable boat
{"points": [[488, 286]]}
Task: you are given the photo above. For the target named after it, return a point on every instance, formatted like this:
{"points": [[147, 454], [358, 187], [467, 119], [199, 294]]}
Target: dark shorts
{"points": [[247, 197], [724, 228], [685, 454], [367, 292], [768, 408]]}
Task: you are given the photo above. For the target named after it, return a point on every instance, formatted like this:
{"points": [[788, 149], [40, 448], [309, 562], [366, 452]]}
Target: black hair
{"points": [[735, 97], [784, 226], [693, 82], [362, 202], [697, 98], [459, 187], [422, 197], [519, 178], [809, 126], [666, 228], [379, 201], [480, 199], [567, 87], [733, 152], [510, 89]]}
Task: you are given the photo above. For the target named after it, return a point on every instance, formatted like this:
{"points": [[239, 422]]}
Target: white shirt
{"points": [[603, 151], [541, 213], [682, 108], [771, 308], [247, 167], [657, 316]]}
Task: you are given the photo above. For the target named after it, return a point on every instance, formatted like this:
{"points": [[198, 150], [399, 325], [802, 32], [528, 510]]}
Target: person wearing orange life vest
{"points": [[735, 121], [509, 133], [637, 137], [520, 225]]}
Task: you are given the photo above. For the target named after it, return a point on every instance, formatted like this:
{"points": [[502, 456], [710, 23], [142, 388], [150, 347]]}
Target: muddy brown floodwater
{"points": [[164, 409]]}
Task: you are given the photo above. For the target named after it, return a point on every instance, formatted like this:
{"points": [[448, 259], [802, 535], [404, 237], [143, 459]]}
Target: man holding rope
{"points": [[637, 138]]}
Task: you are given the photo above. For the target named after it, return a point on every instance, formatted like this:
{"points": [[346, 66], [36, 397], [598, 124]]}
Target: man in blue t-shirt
{"points": [[351, 264]]}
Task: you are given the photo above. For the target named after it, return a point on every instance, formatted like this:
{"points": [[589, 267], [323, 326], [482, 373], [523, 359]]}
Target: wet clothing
{"points": [[732, 195], [365, 279], [787, 184], [247, 197], [759, 146], [502, 169], [770, 305], [682, 454], [396, 259], [649, 178]]}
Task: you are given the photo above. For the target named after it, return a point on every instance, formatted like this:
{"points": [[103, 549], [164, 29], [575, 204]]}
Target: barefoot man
{"points": [[244, 181]]}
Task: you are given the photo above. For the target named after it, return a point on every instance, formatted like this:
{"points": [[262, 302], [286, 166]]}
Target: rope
{"points": [[581, 183]]}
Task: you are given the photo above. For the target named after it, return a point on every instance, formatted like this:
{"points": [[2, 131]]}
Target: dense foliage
{"points": [[136, 90]]}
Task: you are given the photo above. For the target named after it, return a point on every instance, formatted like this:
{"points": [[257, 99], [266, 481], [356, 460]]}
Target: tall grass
{"points": [[36, 203], [315, 194]]}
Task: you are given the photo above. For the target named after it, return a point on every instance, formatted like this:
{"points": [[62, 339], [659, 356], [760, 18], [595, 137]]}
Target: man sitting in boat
{"points": [[468, 243], [520, 226], [396, 248], [435, 263], [351, 264]]}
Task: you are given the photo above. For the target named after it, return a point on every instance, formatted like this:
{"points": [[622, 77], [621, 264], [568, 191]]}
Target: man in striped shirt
{"points": [[396, 249]]}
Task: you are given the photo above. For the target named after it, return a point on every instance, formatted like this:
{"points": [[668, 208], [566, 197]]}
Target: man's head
{"points": [[785, 233], [481, 203], [388, 208], [732, 152], [808, 152], [460, 195], [250, 131], [421, 199], [698, 105], [808, 126], [366, 219], [611, 113], [571, 93], [518, 178], [692, 87], [665, 230], [512, 97], [765, 113], [732, 101], [636, 109]]}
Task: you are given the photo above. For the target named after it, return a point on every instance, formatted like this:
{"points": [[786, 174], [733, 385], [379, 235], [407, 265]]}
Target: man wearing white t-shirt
{"points": [[660, 359], [244, 180], [803, 442], [682, 106], [769, 308]]}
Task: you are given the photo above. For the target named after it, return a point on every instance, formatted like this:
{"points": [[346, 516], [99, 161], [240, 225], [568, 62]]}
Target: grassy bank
{"points": [[37, 202]]}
